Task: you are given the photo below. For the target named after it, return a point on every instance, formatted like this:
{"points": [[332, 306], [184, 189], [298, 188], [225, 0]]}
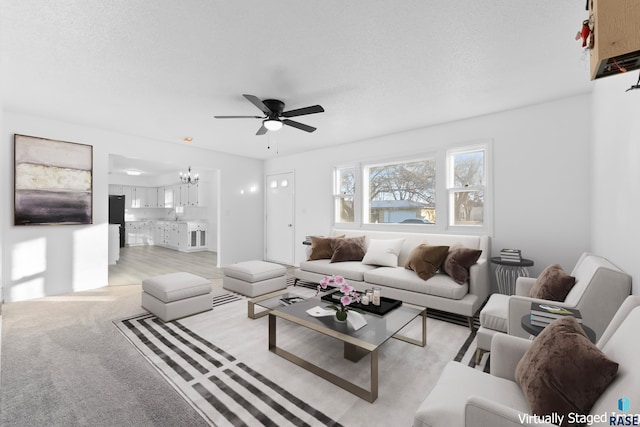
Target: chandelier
{"points": [[186, 178]]}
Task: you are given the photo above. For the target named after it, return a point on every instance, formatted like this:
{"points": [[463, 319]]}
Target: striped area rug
{"points": [[226, 391], [225, 298]]}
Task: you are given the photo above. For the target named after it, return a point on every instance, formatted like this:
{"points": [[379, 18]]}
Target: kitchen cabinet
{"points": [[158, 233], [128, 196], [193, 236], [171, 196], [192, 195], [138, 233], [115, 190], [172, 235], [616, 37], [151, 197], [184, 236]]}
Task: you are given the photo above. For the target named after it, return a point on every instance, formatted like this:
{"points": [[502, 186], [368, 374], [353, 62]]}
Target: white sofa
{"points": [[439, 292], [464, 396]]}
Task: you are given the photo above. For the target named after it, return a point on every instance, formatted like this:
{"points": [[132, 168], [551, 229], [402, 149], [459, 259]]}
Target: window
{"points": [[343, 193], [400, 192], [466, 186], [443, 190]]}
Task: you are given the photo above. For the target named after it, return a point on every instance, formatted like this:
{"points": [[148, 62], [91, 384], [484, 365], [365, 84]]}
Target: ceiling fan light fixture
{"points": [[272, 124]]}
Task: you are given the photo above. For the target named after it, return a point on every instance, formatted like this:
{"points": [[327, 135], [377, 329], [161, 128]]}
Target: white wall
{"points": [[540, 172], [615, 228], [49, 260]]}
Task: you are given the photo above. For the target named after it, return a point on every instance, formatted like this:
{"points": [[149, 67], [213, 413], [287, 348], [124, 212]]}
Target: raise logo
{"points": [[624, 419], [623, 404]]}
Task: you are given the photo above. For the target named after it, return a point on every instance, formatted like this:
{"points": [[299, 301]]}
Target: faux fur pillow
{"points": [[553, 284], [563, 371], [321, 247], [458, 262], [425, 260], [348, 249]]}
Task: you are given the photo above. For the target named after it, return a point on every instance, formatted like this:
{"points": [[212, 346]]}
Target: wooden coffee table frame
{"points": [[354, 350]]}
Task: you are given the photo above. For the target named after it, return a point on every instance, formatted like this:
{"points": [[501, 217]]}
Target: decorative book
{"points": [[290, 300], [543, 314]]}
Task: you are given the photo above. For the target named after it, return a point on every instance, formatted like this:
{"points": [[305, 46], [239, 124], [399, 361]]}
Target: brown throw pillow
{"points": [[458, 262], [552, 284], [349, 249], [563, 371], [321, 247], [425, 260]]}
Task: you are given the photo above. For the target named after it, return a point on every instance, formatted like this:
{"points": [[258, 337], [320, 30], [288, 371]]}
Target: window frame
{"points": [[443, 205], [364, 197], [339, 196], [485, 187]]}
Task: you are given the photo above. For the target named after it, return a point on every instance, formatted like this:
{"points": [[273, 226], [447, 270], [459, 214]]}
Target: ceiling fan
{"points": [[274, 111]]}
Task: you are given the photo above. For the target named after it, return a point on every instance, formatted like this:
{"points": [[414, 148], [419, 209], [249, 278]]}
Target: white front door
{"points": [[279, 222]]}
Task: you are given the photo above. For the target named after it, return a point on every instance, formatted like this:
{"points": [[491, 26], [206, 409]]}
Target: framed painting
{"points": [[53, 182]]}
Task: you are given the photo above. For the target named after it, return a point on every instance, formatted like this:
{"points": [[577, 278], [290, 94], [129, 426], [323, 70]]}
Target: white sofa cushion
{"points": [[445, 405], [254, 271], [383, 252], [350, 270], [495, 312], [400, 278]]}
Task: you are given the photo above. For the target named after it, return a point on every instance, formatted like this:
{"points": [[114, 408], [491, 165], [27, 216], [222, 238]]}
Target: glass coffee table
{"points": [[269, 302], [357, 344]]}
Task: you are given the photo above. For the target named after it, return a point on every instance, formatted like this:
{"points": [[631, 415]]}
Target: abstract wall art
{"points": [[53, 181]]}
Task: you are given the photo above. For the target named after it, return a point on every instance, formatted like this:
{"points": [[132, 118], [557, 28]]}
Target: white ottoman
{"points": [[175, 295], [253, 278]]}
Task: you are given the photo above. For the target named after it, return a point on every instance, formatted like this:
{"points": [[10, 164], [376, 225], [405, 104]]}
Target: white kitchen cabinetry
{"points": [[171, 196], [184, 236], [138, 233], [172, 235], [128, 196], [115, 190], [158, 233], [151, 199], [193, 236], [192, 195]]}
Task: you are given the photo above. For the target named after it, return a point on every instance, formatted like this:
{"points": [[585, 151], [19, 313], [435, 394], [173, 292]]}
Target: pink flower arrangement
{"points": [[349, 294]]}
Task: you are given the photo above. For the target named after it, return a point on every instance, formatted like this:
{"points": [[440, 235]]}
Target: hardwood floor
{"points": [[137, 263]]}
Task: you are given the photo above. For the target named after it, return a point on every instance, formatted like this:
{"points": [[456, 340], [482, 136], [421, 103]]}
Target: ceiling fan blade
{"points": [[262, 130], [238, 117], [298, 125], [258, 103], [303, 111]]}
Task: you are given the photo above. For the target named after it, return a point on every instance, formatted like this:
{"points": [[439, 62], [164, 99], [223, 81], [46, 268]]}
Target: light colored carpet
{"points": [[219, 360], [64, 364]]}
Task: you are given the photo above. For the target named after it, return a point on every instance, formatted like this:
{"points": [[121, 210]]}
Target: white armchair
{"points": [[600, 289], [464, 396]]}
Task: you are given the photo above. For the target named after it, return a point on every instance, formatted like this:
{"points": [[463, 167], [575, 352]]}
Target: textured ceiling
{"points": [[161, 68]]}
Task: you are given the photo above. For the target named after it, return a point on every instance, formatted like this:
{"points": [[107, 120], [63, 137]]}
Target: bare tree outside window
{"points": [[345, 184], [405, 191], [400, 192], [467, 187]]}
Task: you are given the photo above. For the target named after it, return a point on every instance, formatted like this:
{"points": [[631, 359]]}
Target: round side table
{"points": [[507, 272], [534, 330]]}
